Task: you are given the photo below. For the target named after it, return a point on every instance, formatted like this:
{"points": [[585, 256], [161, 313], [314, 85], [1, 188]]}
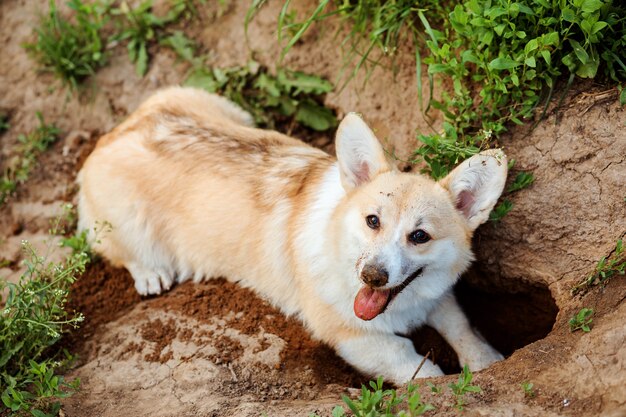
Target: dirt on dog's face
{"points": [[404, 237]]}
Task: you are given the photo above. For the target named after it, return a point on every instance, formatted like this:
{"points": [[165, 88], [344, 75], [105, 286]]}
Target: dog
{"points": [[357, 250]]}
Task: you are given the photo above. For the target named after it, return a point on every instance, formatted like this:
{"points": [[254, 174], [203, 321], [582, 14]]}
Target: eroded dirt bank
{"points": [[216, 349]]}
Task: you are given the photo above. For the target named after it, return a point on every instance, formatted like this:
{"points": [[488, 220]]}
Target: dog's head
{"points": [[405, 233]]}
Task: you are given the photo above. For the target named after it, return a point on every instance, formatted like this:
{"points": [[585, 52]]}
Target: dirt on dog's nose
{"points": [[374, 275]]}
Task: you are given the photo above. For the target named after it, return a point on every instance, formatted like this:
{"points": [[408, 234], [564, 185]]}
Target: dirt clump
{"points": [[161, 334], [246, 312], [102, 294]]}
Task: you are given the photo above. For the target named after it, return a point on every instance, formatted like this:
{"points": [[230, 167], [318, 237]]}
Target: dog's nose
{"points": [[374, 275]]}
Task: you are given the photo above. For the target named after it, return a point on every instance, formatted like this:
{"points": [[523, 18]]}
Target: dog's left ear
{"points": [[360, 155], [476, 185]]}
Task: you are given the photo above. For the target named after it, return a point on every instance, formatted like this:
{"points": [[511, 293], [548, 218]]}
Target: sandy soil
{"points": [[215, 349]]}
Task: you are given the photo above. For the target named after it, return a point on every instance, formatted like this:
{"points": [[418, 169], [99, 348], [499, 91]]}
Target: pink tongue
{"points": [[369, 302]]}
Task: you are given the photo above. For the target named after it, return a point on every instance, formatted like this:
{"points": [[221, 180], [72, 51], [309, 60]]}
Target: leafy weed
{"points": [[33, 320], [605, 270], [501, 210], [140, 27], [289, 94], [377, 402], [462, 387], [581, 320], [522, 180]]}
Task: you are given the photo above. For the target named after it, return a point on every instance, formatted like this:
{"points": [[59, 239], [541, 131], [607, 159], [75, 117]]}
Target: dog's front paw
{"points": [[482, 358], [150, 282]]}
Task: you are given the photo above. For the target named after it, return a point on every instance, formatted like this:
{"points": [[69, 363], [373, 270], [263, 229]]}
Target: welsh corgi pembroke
{"points": [[357, 250]]}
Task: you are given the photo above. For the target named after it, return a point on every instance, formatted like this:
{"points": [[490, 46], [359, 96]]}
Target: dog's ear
{"points": [[476, 185], [360, 155]]}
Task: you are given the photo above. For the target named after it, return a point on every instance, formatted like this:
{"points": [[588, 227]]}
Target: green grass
{"points": [[500, 60], [581, 320], [285, 97], [605, 269], [30, 147], [32, 322], [288, 96], [72, 49], [376, 401]]}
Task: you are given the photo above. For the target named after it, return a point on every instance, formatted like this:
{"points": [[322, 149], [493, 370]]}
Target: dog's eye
{"points": [[419, 236], [372, 221]]}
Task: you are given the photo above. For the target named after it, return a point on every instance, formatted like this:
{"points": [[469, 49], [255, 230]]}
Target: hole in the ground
{"points": [[508, 318]]}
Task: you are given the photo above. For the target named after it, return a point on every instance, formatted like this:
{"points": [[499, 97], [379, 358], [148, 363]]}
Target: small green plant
{"points": [[288, 95], [527, 387], [522, 180], [501, 210], [415, 405], [581, 320], [32, 321], [384, 403], [434, 388], [374, 402], [30, 147], [462, 387], [71, 49], [605, 270], [140, 27]]}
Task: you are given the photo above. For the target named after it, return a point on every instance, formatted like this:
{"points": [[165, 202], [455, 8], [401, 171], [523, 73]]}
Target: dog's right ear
{"points": [[476, 185], [360, 155]]}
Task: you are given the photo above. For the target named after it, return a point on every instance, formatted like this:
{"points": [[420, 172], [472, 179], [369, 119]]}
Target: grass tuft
{"points": [[31, 146], [72, 49]]}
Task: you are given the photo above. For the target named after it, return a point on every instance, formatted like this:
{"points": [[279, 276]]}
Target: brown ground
{"points": [[215, 349]]}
